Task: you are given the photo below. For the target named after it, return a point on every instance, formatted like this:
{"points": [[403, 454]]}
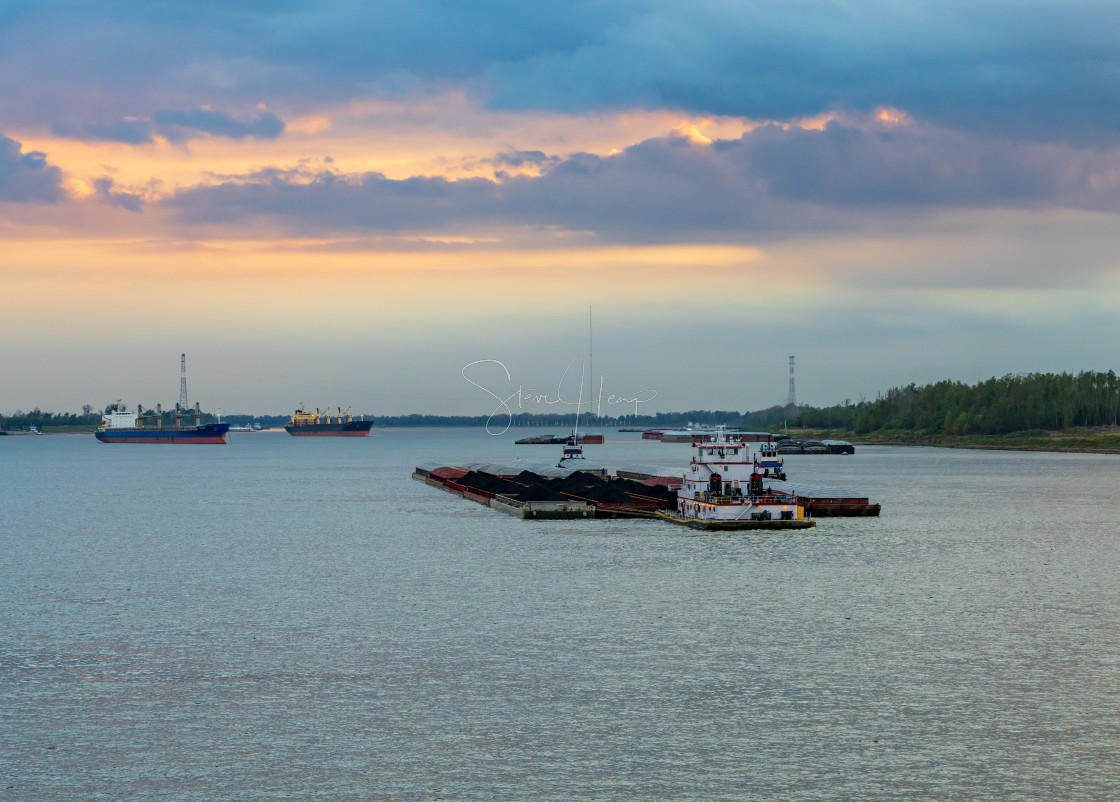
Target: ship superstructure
{"points": [[723, 489]]}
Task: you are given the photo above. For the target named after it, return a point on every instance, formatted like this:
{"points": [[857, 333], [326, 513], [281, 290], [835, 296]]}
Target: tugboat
{"points": [[723, 490], [572, 450], [768, 463], [313, 424]]}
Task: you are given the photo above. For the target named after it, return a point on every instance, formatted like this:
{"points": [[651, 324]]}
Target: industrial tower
{"points": [[183, 380], [791, 401]]}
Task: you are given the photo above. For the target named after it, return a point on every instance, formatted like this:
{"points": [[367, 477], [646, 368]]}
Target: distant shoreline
{"points": [[1098, 440], [1005, 447], [1101, 440]]}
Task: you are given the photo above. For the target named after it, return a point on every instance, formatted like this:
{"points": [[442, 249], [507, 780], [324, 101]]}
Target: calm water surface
{"points": [[296, 618]]}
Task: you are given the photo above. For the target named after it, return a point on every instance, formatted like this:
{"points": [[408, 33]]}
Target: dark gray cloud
{"points": [[130, 132], [771, 180], [175, 126], [105, 190], [1046, 71], [521, 158], [368, 202], [182, 124], [27, 177], [913, 166]]}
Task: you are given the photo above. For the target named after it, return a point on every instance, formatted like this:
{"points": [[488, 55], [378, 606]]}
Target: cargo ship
{"points": [[314, 424], [122, 426]]}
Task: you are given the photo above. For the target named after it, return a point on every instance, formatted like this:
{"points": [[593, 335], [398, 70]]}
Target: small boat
{"points": [[723, 490], [572, 450], [254, 427], [768, 463]]}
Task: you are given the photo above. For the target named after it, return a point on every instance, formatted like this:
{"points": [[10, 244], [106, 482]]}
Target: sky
{"points": [[427, 206]]}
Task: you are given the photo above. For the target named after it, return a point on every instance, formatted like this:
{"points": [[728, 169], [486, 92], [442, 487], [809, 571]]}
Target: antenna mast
{"points": [[182, 381], [792, 400], [579, 403]]}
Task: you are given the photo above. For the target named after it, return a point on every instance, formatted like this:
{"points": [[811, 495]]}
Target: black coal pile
{"points": [[659, 492], [489, 483], [611, 491], [608, 494], [529, 486], [578, 482], [539, 493]]}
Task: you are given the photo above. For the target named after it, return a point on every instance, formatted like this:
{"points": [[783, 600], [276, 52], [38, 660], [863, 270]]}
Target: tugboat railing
{"points": [[741, 499]]}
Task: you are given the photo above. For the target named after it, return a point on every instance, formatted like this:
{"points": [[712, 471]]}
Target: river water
{"points": [[296, 618]]}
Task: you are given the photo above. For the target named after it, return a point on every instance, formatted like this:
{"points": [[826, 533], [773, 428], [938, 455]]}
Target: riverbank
{"points": [[1087, 440]]}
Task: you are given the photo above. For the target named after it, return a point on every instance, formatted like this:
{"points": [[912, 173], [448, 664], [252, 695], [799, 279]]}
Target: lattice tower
{"points": [[792, 400], [183, 381]]}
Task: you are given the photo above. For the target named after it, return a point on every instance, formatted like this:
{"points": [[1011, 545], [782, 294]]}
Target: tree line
{"points": [[22, 421], [1013, 403]]}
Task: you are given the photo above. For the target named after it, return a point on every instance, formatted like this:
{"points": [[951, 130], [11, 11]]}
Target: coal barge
{"points": [[565, 494], [553, 440], [737, 490]]}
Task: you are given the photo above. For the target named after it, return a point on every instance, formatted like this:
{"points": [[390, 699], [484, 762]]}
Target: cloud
{"points": [[523, 158], [103, 188], [772, 180], [175, 126], [26, 177], [130, 132], [911, 166], [368, 202], [181, 124], [1045, 73], [981, 68]]}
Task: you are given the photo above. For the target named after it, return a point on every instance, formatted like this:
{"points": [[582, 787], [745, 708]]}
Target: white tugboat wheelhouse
{"points": [[723, 488]]}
